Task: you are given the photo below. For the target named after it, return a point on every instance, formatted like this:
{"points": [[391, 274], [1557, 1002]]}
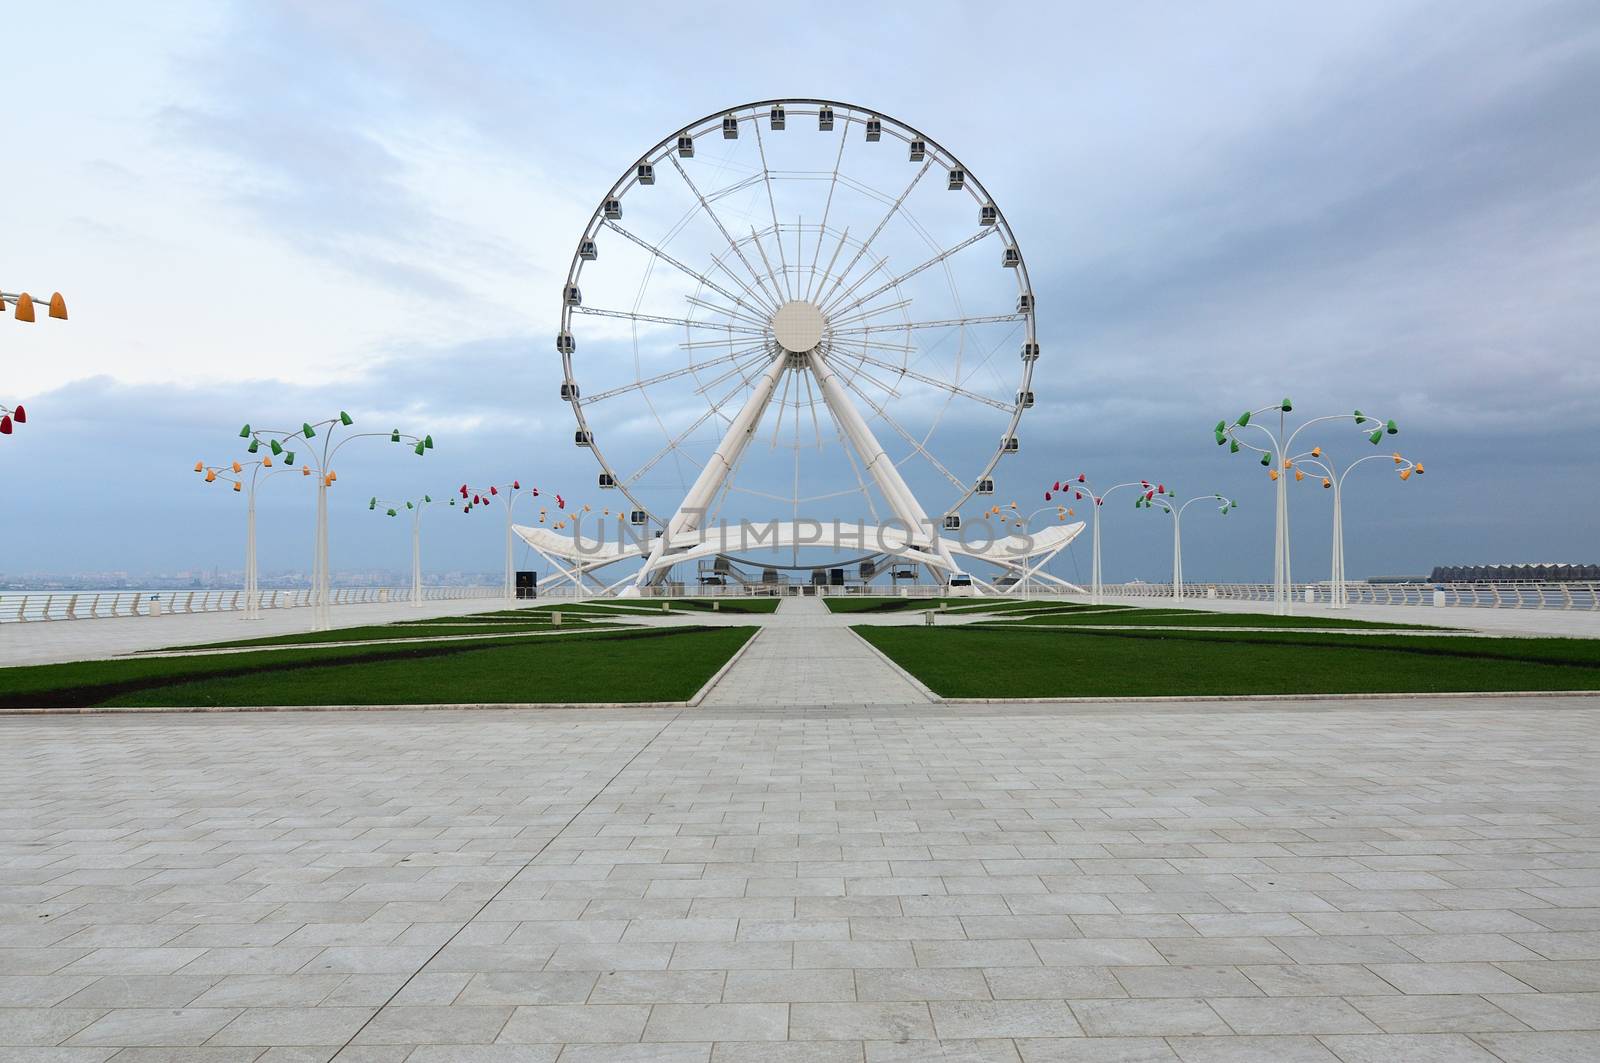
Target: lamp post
{"points": [[329, 448], [507, 494], [1164, 500], [1333, 479], [1276, 458], [213, 473], [25, 306], [1022, 523], [415, 507], [1078, 486]]}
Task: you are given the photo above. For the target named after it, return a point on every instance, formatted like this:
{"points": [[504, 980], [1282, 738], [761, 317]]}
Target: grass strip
{"points": [[637, 664], [991, 661]]}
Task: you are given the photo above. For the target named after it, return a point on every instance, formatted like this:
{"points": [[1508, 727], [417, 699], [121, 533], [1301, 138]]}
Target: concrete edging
{"points": [[716, 678], [1180, 698], [916, 684]]}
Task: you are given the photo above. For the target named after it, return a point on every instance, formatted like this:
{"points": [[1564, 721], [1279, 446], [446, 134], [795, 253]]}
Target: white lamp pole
{"points": [[213, 473], [1163, 500], [1078, 485], [392, 509], [326, 476], [1333, 479], [507, 495], [1275, 457]]}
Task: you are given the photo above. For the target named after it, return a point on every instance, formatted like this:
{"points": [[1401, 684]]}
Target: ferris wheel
{"points": [[797, 308]]}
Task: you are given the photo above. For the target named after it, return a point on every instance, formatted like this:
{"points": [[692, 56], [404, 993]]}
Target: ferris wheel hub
{"points": [[797, 326]]}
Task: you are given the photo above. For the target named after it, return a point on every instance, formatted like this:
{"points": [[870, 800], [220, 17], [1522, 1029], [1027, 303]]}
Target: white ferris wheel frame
{"points": [[749, 296]]}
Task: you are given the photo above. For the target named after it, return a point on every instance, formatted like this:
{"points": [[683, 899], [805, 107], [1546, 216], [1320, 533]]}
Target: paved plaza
{"points": [[1338, 881]]}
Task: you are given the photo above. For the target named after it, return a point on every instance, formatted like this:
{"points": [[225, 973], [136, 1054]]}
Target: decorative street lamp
{"points": [[1010, 519], [213, 473], [415, 507], [1333, 480], [1080, 486], [1163, 499], [1276, 458], [274, 439], [507, 494], [24, 304], [10, 416]]}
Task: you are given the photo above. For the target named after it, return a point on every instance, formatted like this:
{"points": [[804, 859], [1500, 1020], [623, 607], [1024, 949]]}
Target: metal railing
{"points": [[33, 606], [1518, 595]]}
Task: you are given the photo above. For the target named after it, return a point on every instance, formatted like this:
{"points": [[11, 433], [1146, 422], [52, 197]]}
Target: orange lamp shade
{"points": [[1397, 458], [305, 470], [332, 476], [1326, 482], [1272, 473], [237, 486], [1405, 474], [266, 462], [237, 467], [1316, 452], [58, 306], [25, 307], [1299, 474], [211, 476], [1420, 470], [199, 466]]}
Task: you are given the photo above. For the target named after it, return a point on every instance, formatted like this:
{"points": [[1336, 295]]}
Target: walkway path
{"points": [[806, 655]]}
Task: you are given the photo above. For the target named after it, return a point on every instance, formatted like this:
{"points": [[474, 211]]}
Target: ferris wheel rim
{"points": [[846, 113]]}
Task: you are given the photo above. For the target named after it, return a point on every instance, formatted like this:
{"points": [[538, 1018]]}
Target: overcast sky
{"points": [[269, 212]]}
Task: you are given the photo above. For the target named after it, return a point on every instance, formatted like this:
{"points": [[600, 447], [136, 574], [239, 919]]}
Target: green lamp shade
{"points": [[410, 506], [1266, 459], [372, 503], [427, 441], [394, 437], [1361, 418], [344, 418], [1221, 439], [1391, 428], [420, 448], [308, 430], [427, 498], [1374, 437], [253, 447], [1244, 419], [244, 433], [288, 457], [1286, 405], [1222, 426], [277, 448], [391, 513], [1233, 448]]}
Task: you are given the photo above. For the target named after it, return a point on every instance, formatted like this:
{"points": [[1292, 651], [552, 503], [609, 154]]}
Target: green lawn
{"points": [[405, 629], [1197, 618], [997, 662], [641, 664]]}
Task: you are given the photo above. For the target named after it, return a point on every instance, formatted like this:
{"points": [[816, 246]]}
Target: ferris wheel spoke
{"points": [[811, 400], [858, 282], [860, 370], [772, 204], [893, 210], [771, 299], [669, 260], [915, 443], [827, 208], [902, 278], [706, 304], [761, 358], [952, 322], [714, 410], [658, 320], [922, 378], [660, 378], [885, 309]]}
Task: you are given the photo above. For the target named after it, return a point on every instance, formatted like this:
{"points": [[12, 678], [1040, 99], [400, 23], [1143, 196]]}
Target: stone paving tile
{"points": [[1373, 881]]}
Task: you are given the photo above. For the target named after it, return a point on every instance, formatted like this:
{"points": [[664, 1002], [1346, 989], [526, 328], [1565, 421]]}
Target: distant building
{"points": [[1547, 573]]}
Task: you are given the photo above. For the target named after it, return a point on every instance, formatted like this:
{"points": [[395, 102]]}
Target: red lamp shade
{"points": [[5, 425], [493, 490], [19, 415], [1078, 495], [1057, 486], [516, 485], [1081, 478], [1047, 496]]}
